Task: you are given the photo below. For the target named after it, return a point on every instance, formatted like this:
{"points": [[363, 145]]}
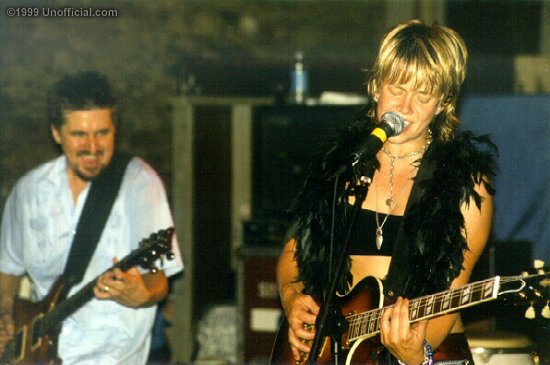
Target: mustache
{"points": [[87, 153]]}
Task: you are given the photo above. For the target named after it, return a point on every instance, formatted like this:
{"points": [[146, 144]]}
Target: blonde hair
{"points": [[431, 57]]}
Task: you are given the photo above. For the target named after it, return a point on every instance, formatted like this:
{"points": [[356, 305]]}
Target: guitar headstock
{"points": [[151, 249], [534, 290]]}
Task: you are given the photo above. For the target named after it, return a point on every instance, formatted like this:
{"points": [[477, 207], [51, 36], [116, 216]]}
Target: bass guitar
{"points": [[38, 324], [363, 307]]}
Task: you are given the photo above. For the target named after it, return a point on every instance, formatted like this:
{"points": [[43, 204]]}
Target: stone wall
{"points": [[145, 50], [151, 50]]}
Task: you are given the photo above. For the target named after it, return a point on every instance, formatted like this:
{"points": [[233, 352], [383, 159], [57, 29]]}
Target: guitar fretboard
{"points": [[153, 248], [367, 324], [52, 320]]}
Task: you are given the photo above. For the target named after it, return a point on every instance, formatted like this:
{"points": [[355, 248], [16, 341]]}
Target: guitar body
{"points": [[366, 295], [38, 324], [28, 347], [367, 350]]}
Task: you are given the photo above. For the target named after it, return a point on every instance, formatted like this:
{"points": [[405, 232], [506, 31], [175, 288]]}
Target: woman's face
{"points": [[414, 104]]}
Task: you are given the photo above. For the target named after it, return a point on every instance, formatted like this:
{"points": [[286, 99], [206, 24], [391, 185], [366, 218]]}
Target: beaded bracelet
{"points": [[428, 355]]}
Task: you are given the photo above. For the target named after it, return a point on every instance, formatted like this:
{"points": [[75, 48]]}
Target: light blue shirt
{"points": [[37, 230]]}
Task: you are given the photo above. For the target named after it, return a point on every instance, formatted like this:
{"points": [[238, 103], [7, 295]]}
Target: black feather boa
{"points": [[428, 253]]}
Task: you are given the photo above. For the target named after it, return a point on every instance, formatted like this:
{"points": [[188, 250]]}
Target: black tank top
{"points": [[363, 237]]}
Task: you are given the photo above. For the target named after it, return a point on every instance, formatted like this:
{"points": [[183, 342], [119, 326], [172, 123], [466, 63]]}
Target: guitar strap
{"points": [[96, 211]]}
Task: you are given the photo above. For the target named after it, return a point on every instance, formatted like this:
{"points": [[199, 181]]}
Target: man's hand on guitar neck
{"points": [[131, 288]]}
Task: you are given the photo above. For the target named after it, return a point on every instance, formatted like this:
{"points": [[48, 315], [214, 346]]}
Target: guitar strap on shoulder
{"points": [[96, 211]]}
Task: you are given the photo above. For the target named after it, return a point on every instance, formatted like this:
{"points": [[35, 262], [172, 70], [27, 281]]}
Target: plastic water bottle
{"points": [[299, 86]]}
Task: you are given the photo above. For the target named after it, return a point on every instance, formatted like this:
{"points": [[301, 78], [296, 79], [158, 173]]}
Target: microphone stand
{"points": [[330, 321]]}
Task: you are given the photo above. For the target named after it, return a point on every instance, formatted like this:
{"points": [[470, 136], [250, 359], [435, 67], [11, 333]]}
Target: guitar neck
{"points": [[367, 324], [53, 319]]}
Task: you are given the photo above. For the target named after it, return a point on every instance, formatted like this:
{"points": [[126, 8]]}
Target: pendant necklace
{"points": [[390, 202], [379, 233]]}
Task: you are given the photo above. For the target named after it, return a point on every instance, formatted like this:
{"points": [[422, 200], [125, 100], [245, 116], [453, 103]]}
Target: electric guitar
{"points": [[363, 307], [38, 324]]}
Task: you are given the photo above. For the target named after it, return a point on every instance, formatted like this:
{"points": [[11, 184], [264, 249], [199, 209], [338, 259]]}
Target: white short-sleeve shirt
{"points": [[38, 225]]}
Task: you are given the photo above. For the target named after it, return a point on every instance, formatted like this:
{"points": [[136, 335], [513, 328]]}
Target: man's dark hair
{"points": [[83, 91]]}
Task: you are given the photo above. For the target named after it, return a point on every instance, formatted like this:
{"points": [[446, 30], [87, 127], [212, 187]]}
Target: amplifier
{"points": [[264, 233]]}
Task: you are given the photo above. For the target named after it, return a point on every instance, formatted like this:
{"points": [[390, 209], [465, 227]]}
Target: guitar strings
{"points": [[368, 323], [450, 295]]}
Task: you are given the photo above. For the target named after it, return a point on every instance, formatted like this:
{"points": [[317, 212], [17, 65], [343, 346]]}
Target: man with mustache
{"points": [[42, 215]]}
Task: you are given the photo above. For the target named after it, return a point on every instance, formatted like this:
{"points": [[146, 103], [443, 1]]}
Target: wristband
{"points": [[428, 355]]}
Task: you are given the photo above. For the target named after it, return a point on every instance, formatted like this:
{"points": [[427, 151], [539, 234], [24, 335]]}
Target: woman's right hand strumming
{"points": [[301, 312]]}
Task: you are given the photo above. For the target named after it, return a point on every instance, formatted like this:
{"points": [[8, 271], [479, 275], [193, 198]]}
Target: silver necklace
{"points": [[379, 233], [390, 203]]}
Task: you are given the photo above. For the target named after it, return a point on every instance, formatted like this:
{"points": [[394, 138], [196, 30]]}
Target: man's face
{"points": [[88, 141]]}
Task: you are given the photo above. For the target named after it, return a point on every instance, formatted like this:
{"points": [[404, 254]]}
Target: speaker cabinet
{"points": [[258, 303], [285, 138]]}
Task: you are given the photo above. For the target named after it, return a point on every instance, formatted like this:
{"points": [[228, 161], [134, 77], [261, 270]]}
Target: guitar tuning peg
{"points": [[530, 312], [538, 264], [546, 311]]}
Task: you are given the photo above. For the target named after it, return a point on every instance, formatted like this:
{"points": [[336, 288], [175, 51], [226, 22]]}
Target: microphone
{"points": [[391, 124]]}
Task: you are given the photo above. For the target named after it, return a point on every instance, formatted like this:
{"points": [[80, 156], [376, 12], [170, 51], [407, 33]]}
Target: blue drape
{"points": [[520, 127]]}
